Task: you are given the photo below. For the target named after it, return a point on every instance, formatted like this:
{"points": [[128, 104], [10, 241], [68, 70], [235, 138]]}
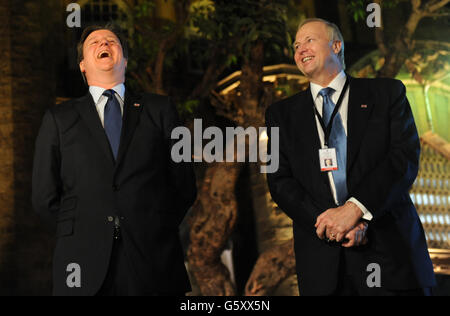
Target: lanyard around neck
{"points": [[327, 129]]}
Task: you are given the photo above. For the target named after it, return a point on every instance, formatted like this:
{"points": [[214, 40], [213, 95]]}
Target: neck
{"points": [[106, 82], [324, 78]]}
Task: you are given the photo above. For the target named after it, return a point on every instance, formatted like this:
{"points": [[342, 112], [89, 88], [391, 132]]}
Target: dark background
{"points": [[38, 69]]}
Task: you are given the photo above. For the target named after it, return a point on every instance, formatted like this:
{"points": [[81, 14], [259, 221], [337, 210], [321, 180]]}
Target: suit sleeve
{"points": [[395, 174], [286, 191], [181, 175], [46, 182]]}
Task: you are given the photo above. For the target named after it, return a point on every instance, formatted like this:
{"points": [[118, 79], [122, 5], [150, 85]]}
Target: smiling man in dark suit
{"points": [[103, 171], [356, 230]]}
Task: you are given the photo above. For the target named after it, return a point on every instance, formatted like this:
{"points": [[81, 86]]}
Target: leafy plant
{"points": [[238, 24]]}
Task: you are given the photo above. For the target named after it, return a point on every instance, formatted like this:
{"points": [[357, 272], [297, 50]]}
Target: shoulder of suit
{"points": [[287, 103], [388, 88], [64, 113], [379, 83], [65, 108], [153, 99], [65, 105]]}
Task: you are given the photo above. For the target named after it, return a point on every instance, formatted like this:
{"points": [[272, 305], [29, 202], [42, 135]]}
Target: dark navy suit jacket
{"points": [[382, 163], [77, 182]]}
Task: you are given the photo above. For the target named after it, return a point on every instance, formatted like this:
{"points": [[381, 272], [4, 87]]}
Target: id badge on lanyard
{"points": [[328, 156], [328, 160]]}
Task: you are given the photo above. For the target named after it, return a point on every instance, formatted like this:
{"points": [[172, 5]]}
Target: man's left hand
{"points": [[335, 223], [357, 236]]}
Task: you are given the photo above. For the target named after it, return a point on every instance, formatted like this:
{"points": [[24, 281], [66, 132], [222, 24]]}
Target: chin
{"points": [[307, 73], [106, 67]]}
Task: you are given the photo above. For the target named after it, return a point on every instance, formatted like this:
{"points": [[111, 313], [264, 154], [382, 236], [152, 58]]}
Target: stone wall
{"points": [[29, 56]]}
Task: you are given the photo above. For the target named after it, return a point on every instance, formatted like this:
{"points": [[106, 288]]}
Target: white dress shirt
{"points": [[100, 100], [337, 84]]}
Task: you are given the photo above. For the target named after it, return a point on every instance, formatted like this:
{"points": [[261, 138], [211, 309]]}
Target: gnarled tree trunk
{"points": [[213, 219], [273, 266]]}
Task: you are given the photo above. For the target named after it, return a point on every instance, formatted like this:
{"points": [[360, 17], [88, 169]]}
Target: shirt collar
{"points": [[337, 84], [97, 92]]}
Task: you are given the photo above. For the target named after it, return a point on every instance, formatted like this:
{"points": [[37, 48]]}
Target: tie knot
{"points": [[326, 92], [109, 93]]}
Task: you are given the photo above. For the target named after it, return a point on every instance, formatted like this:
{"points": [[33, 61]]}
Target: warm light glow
{"points": [[263, 136]]}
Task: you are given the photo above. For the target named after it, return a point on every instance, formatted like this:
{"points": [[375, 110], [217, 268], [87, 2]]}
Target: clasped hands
{"points": [[342, 224]]}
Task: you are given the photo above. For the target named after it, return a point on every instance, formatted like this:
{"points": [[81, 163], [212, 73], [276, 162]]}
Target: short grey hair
{"points": [[334, 34]]}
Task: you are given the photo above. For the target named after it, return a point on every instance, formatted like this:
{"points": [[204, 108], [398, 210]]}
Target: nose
{"points": [[301, 51], [304, 48], [104, 42]]}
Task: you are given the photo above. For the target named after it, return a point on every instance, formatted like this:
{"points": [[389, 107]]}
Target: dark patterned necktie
{"points": [[113, 121]]}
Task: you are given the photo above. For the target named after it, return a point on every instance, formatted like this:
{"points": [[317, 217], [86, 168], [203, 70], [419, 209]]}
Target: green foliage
{"points": [[357, 8], [187, 108], [211, 32], [144, 9], [429, 62], [239, 24], [432, 63], [149, 31], [294, 16], [151, 37]]}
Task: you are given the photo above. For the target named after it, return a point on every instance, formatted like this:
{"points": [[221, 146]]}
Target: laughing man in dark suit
{"points": [[103, 171]]}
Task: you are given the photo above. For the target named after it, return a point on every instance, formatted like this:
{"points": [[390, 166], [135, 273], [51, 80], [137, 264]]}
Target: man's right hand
{"points": [[356, 236]]}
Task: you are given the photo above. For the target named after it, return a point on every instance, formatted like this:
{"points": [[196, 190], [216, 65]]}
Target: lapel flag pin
{"points": [[137, 105], [363, 106]]}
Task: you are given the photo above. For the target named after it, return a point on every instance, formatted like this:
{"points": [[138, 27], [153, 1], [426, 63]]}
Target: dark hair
{"points": [[110, 27]]}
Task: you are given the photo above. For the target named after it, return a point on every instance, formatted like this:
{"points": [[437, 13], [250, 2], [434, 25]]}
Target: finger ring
{"points": [[332, 235]]}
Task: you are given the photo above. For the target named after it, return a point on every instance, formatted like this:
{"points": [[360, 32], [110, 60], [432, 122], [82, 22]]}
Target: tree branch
{"points": [[159, 67], [415, 4], [437, 15], [435, 5], [211, 74], [142, 82], [379, 35], [271, 269]]}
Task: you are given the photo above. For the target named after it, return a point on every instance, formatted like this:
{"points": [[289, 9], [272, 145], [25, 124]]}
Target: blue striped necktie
{"points": [[337, 140], [113, 121]]}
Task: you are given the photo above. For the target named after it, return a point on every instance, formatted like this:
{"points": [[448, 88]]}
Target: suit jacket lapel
{"points": [[305, 120], [131, 112], [359, 110], [86, 107]]}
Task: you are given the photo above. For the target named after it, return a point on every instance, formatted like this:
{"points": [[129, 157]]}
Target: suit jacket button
{"points": [[115, 188], [110, 219]]}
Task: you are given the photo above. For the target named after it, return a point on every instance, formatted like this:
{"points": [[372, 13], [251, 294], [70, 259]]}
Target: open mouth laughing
{"points": [[104, 54], [307, 58]]}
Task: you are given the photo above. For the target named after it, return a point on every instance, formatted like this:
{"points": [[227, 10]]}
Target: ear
{"points": [[337, 45], [82, 68]]}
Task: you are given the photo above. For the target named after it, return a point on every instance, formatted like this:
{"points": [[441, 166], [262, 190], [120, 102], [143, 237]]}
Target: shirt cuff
{"points": [[366, 214]]}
